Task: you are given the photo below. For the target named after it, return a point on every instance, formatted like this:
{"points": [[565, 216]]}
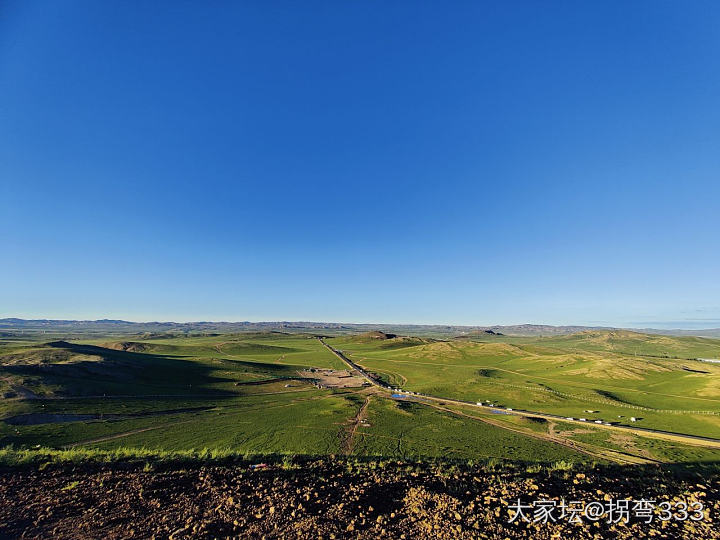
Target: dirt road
{"points": [[694, 440]]}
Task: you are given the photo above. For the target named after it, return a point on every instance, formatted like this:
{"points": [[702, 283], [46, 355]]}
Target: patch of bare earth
{"points": [[333, 378], [334, 499]]}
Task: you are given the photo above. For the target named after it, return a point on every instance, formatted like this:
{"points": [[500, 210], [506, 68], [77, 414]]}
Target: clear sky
{"points": [[429, 162]]}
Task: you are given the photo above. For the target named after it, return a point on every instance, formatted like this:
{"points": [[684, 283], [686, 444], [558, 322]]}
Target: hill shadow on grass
{"points": [[269, 367], [119, 372]]}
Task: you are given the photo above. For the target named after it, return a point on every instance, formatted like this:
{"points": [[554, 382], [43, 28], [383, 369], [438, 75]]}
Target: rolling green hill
{"points": [[263, 392], [617, 374]]}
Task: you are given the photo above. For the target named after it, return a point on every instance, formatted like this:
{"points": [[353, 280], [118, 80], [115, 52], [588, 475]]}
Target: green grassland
{"points": [[617, 375], [412, 430], [242, 393]]}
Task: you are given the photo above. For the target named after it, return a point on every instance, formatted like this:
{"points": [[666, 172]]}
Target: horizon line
{"points": [[299, 321]]}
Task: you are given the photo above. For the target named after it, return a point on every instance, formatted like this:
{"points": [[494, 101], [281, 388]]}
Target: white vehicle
{"points": [[598, 421], [569, 418], [509, 409], [479, 404], [582, 419]]}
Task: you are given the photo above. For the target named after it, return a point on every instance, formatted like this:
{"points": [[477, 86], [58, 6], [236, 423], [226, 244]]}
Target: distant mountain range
{"points": [[113, 326]]}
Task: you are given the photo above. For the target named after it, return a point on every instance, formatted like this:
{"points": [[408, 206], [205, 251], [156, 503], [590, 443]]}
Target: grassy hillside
{"points": [[617, 375], [244, 393]]}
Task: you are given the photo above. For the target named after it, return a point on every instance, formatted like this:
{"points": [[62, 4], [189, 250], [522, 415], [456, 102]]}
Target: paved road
{"points": [[667, 435]]}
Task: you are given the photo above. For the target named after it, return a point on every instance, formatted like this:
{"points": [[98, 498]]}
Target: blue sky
{"points": [[479, 163]]}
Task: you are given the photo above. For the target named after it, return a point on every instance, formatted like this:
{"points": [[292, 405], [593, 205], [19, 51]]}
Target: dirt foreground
{"points": [[341, 499]]}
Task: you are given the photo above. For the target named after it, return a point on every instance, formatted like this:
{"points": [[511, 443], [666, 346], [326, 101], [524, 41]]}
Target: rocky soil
{"points": [[334, 499]]}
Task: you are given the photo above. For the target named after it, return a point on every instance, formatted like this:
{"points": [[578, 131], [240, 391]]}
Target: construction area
{"points": [[333, 378]]}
